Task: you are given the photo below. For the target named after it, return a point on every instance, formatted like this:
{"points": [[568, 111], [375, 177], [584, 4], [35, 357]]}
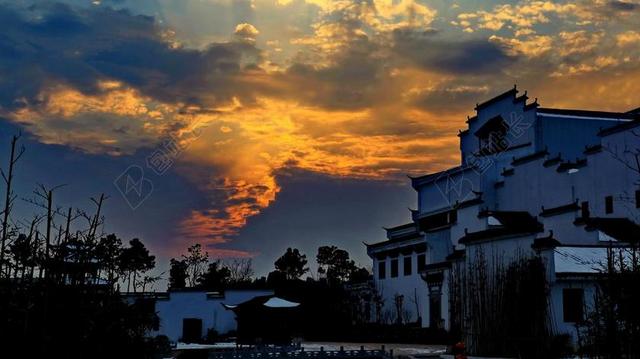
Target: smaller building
{"points": [[188, 315], [266, 320]]}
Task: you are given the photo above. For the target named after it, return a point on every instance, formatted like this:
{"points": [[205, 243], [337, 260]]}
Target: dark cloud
{"points": [[451, 99], [427, 50], [350, 82], [365, 207], [46, 45], [623, 5]]}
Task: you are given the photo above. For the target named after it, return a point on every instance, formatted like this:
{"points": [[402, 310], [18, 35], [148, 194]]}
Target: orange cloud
{"points": [[275, 135], [366, 90]]}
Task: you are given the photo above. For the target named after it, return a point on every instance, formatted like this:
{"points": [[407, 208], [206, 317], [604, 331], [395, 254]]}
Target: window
{"points": [[407, 265], [608, 204], [191, 330], [572, 305], [439, 219], [492, 136], [394, 267], [638, 199], [422, 261], [453, 216], [584, 207], [382, 270]]}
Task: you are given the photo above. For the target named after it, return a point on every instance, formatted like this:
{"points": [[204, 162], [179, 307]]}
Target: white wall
{"points": [[408, 286], [195, 304], [560, 326], [505, 250]]}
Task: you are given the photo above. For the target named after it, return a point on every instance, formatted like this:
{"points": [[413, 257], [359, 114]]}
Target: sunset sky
{"points": [[293, 122]]}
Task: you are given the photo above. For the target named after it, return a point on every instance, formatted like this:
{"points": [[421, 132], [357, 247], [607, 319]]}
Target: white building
{"points": [[532, 181], [189, 314]]}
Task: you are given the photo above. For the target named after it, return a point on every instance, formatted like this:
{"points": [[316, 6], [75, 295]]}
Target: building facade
{"points": [[187, 315], [560, 185]]}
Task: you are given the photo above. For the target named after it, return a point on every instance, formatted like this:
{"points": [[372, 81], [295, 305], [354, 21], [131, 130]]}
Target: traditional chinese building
{"points": [[188, 315], [266, 320], [549, 183]]}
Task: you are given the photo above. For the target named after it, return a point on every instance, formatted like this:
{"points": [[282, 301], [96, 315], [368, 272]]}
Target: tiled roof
{"points": [[622, 229], [417, 181], [528, 158], [403, 233], [511, 223], [511, 93], [545, 242], [586, 113], [567, 208], [619, 128]]}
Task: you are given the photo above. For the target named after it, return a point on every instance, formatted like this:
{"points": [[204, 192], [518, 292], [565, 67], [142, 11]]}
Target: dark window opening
{"points": [[495, 142], [492, 136], [438, 220], [382, 270], [608, 204], [407, 265], [422, 262], [584, 207], [394, 268], [191, 330], [453, 216], [573, 305]]}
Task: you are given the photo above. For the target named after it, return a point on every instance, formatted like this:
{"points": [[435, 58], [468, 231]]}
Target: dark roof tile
{"points": [[586, 113]]}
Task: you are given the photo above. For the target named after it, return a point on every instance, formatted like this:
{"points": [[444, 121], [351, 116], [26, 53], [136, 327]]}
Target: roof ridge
{"points": [[619, 127], [512, 92], [587, 113]]}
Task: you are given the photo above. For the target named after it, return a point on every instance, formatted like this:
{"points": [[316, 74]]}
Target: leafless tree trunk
{"points": [[48, 235], [66, 231], [629, 156], [9, 197], [241, 270]]}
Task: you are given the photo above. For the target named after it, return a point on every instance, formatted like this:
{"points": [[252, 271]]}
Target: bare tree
{"points": [[628, 155], [9, 196], [241, 270], [399, 306], [43, 197], [416, 301]]}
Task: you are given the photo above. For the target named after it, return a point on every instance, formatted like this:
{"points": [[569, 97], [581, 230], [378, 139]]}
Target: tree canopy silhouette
{"points": [[292, 264]]}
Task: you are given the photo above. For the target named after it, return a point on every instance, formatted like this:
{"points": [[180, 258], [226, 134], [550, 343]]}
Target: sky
{"points": [[253, 126]]}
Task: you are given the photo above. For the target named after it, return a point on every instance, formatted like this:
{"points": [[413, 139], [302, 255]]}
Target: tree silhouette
{"points": [[216, 277], [292, 264], [108, 250], [241, 271], [335, 264], [23, 255], [134, 261], [9, 197], [177, 274], [196, 261]]}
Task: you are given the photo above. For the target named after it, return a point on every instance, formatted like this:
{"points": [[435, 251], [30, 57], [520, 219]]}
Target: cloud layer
{"points": [[369, 90]]}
